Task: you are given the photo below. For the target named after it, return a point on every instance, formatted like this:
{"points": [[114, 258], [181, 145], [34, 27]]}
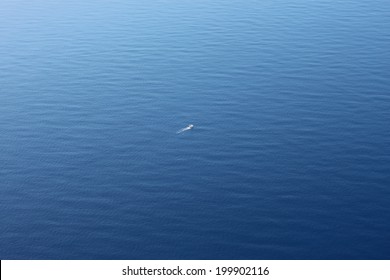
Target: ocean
{"points": [[289, 157]]}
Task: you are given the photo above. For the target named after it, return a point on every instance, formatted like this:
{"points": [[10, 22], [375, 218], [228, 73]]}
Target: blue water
{"points": [[289, 157]]}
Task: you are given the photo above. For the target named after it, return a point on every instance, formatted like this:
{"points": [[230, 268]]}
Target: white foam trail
{"points": [[191, 126]]}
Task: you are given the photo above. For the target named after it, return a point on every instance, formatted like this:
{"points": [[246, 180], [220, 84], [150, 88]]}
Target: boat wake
{"points": [[189, 127]]}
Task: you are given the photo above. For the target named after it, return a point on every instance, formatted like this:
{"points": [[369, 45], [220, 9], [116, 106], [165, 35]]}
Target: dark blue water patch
{"points": [[289, 157]]}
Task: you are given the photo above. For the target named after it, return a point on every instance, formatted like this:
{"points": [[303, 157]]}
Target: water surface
{"points": [[289, 157]]}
